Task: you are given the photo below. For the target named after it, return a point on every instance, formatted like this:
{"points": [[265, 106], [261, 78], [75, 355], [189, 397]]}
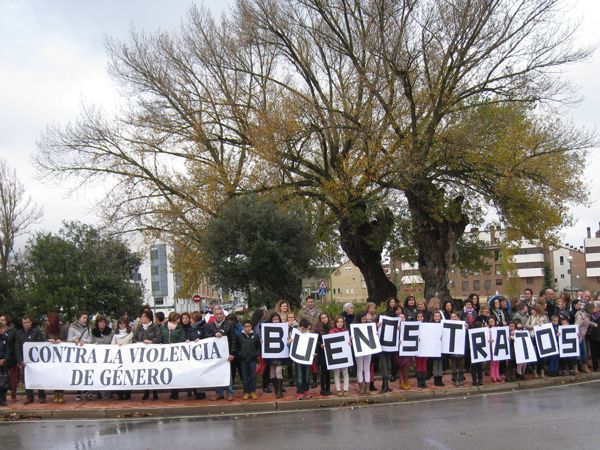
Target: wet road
{"points": [[549, 418]]}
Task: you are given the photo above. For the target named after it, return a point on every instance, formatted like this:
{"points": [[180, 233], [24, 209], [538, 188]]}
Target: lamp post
{"points": [[570, 259]]}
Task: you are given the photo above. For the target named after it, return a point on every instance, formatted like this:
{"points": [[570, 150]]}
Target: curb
{"points": [[359, 401]]}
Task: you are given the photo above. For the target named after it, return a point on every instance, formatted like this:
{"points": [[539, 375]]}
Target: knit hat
{"points": [[347, 306]]}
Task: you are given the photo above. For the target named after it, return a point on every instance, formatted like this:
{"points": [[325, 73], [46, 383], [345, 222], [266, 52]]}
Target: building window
{"points": [[153, 254], [352, 290], [562, 260], [363, 284], [476, 273], [529, 280], [159, 301], [154, 270], [562, 276], [498, 270], [465, 286], [487, 285], [348, 269], [476, 286], [498, 281], [155, 286]]}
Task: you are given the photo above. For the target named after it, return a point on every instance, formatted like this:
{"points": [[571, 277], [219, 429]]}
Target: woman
{"points": [[484, 314], [276, 368], [186, 323], [323, 327], [102, 335], [410, 308], [537, 318], [292, 323], [53, 332], [474, 298], [433, 305], [122, 336], [497, 313], [447, 309], [282, 307], [173, 334], [148, 333]]}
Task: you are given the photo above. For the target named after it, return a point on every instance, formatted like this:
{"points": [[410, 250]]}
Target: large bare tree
{"points": [[17, 212], [357, 106]]}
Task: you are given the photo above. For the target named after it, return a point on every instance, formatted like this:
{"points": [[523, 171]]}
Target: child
{"points": [[522, 366], [323, 327], [276, 367], [554, 360], [420, 362], [511, 364], [457, 362], [248, 352], [403, 363], [437, 368], [302, 370], [494, 365], [567, 365], [339, 327], [477, 368], [363, 364]]}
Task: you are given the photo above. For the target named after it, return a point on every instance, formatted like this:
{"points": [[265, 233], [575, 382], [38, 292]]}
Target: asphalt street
{"points": [[555, 417]]}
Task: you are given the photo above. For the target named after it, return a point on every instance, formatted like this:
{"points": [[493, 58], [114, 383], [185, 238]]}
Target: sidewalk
{"points": [[164, 407]]}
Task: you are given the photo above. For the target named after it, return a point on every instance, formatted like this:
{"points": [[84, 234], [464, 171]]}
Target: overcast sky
{"points": [[52, 60]]}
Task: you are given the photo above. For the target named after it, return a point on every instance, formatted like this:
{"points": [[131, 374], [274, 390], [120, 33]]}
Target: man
{"points": [[5, 356], [159, 319], [11, 366], [550, 302], [28, 334], [310, 312], [586, 297], [522, 313], [210, 316], [528, 298], [221, 328]]}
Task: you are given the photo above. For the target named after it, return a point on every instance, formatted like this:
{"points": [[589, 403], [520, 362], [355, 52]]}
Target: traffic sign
{"points": [[196, 298], [322, 285], [322, 292]]}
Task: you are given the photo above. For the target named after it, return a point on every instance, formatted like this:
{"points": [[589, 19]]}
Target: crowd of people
{"points": [[244, 341]]}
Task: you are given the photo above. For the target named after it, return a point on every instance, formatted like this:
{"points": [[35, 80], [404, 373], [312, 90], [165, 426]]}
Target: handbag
{"points": [[260, 367]]}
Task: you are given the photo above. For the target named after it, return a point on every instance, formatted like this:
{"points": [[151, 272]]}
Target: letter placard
{"points": [[500, 343], [430, 340], [364, 339], [480, 345], [388, 333], [524, 348], [184, 365], [569, 341], [409, 338], [545, 339], [303, 347], [338, 352], [454, 333], [274, 340]]}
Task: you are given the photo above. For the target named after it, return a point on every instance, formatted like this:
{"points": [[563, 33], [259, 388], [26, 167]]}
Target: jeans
{"points": [[248, 369], [553, 364], [221, 390], [302, 374]]}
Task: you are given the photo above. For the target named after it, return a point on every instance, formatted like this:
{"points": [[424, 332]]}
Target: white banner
{"points": [[388, 333], [364, 339], [500, 343], [479, 340], [338, 352], [524, 349], [568, 341], [454, 333], [303, 347], [409, 338], [430, 340], [545, 340], [274, 340], [71, 367]]}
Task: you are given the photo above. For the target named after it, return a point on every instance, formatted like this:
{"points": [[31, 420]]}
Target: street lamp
{"points": [[570, 259]]}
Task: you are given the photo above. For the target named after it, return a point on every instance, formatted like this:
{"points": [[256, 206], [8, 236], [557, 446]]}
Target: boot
{"points": [[61, 398], [385, 387], [154, 395], [360, 388], [365, 388], [2, 398], [314, 381], [372, 387], [456, 379], [437, 381], [461, 379], [281, 390], [146, 395]]}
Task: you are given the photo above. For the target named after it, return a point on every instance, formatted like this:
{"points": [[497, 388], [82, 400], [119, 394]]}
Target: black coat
{"points": [[5, 350], [248, 346], [226, 329], [197, 331], [152, 333], [33, 335]]}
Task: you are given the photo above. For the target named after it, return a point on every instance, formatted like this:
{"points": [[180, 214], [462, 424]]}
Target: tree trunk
{"points": [[363, 238], [437, 227]]}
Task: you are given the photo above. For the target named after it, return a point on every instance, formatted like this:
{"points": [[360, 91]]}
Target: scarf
{"points": [[145, 326]]}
